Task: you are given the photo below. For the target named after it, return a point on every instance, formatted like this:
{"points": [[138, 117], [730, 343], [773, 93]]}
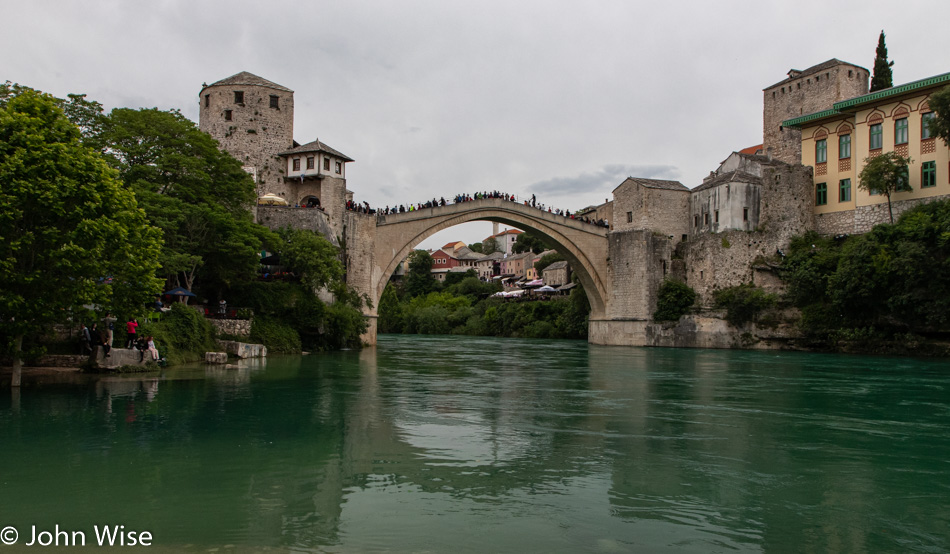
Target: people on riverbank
{"points": [[131, 330], [85, 339]]}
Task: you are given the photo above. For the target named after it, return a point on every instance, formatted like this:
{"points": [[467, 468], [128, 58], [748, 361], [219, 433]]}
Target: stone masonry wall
{"points": [[359, 234], [864, 218], [807, 94], [637, 264], [308, 219], [721, 260], [256, 132], [233, 327]]}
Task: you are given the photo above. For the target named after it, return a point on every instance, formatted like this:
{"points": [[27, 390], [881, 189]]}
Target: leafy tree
{"points": [[674, 299], [455, 277], [476, 247], [70, 234], [419, 280], [490, 246], [198, 195], [547, 260], [940, 124], [529, 240], [390, 311], [743, 303], [882, 77], [311, 257], [885, 174]]}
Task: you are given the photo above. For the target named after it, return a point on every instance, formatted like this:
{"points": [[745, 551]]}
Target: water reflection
{"points": [[500, 445]]}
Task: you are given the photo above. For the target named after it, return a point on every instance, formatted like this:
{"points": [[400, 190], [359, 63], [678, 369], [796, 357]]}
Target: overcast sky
{"points": [[432, 98]]}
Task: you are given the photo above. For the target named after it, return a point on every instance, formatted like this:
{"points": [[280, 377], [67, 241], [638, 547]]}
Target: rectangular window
{"points": [[310, 162], [296, 164], [706, 219], [239, 97], [925, 125], [227, 115], [717, 216], [928, 174], [274, 99], [745, 214], [844, 190], [900, 131], [903, 183], [821, 151], [877, 137], [326, 164], [696, 221], [629, 217], [844, 147], [207, 100], [821, 194], [339, 167]]}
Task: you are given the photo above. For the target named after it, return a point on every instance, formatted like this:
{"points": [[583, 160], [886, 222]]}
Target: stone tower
{"points": [[253, 120], [803, 92]]}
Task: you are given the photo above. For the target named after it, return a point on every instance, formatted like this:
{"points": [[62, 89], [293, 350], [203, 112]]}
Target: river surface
{"points": [[463, 444]]}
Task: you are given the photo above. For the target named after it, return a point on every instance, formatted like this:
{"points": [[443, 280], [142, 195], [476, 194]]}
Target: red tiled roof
{"points": [[752, 149]]}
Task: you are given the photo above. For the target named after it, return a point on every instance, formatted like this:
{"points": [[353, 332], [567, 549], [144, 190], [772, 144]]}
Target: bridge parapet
{"points": [[480, 205]]}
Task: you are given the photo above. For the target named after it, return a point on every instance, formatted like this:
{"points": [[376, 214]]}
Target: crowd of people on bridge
{"points": [[465, 197]]}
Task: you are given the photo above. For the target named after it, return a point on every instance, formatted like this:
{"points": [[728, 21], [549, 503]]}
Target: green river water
{"points": [[464, 444]]}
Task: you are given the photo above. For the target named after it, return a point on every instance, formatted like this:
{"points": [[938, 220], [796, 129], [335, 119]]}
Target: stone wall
{"points": [[307, 219], [809, 91], [232, 327], [864, 218], [638, 261], [655, 209], [707, 331], [256, 132], [359, 233]]}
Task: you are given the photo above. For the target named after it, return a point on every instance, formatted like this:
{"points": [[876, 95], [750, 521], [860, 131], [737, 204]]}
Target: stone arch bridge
{"points": [[620, 271]]}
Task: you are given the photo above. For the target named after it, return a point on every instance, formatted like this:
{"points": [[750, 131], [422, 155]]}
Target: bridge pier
{"points": [[618, 332]]}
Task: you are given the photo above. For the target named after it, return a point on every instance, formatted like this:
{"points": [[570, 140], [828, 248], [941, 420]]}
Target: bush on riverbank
{"points": [[183, 335], [464, 308], [875, 287], [674, 300], [289, 318]]}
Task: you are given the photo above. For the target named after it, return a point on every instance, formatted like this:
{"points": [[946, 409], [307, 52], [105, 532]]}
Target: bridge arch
{"points": [[583, 245]]}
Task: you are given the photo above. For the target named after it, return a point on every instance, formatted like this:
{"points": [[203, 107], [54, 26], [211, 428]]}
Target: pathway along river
{"points": [[462, 444]]}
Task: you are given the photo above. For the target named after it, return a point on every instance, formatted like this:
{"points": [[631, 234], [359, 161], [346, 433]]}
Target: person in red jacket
{"points": [[131, 329]]}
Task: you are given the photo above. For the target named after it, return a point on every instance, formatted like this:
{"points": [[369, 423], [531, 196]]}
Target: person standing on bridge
{"points": [[533, 199]]}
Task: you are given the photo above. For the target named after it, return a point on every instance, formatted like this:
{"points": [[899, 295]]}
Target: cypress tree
{"points": [[882, 77]]}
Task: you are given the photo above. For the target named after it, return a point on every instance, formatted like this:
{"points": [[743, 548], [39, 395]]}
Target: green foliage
{"points": [[183, 334], [882, 77], [490, 246], [198, 195], [895, 278], [277, 336], [674, 299], [885, 174], [419, 280], [390, 311], [456, 277], [939, 102], [725, 243], [472, 287], [71, 234], [744, 303], [529, 240], [311, 257], [547, 260]]}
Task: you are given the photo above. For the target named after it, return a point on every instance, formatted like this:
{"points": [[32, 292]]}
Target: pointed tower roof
{"points": [[245, 78]]}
